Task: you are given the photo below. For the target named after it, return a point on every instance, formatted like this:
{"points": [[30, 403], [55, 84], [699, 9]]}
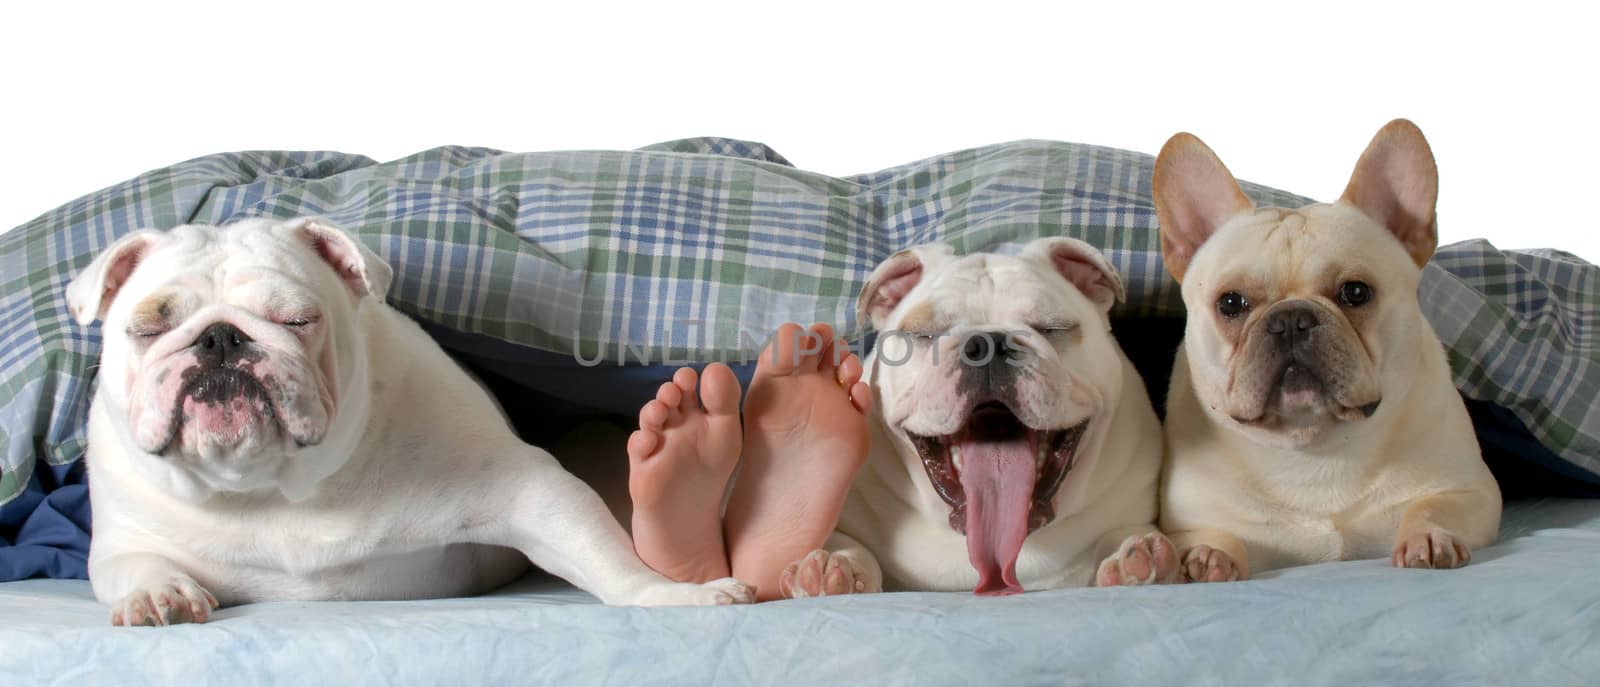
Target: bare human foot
{"points": [[679, 462], [805, 438]]}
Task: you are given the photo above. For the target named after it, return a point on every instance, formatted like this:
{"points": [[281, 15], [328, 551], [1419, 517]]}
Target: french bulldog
{"points": [[266, 427], [1012, 444], [1311, 415]]}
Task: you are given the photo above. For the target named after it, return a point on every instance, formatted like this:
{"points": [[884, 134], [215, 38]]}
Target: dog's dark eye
{"points": [[298, 322], [1354, 294], [1231, 304]]}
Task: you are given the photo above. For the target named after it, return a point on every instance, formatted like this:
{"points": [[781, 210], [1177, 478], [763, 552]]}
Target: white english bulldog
{"points": [[1013, 445], [266, 427]]}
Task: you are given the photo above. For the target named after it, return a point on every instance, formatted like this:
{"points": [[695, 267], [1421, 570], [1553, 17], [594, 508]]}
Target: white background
{"points": [[1286, 93]]}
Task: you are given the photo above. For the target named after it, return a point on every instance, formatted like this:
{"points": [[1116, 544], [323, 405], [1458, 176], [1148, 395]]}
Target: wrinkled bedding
{"points": [[516, 262], [1526, 611], [546, 271]]}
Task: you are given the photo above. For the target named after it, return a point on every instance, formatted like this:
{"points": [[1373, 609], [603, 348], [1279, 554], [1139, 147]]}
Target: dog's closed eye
{"points": [[1048, 328], [299, 320], [146, 331]]}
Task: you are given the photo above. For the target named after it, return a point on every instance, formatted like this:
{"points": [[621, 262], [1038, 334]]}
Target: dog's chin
{"points": [[225, 429], [1300, 407], [225, 435], [1000, 478]]}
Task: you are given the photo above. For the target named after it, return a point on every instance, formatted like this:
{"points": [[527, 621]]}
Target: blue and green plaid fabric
{"points": [[697, 249]]}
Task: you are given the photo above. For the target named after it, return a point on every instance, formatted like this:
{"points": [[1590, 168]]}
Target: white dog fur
{"points": [[340, 455], [896, 530]]}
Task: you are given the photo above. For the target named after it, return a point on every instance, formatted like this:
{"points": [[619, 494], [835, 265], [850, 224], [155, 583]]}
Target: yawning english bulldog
{"points": [[1013, 445]]}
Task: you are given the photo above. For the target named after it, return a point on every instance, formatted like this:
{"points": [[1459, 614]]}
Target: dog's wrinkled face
{"points": [[1290, 336], [221, 348], [992, 370], [1299, 320]]}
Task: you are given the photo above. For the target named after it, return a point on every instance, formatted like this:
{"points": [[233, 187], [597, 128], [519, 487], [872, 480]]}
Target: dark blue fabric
{"points": [[1523, 466], [45, 531]]}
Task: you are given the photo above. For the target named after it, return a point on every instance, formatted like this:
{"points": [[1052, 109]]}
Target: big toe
{"points": [[719, 390], [782, 355], [828, 347], [831, 350]]}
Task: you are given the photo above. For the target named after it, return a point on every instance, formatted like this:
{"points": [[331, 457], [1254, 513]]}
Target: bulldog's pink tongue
{"points": [[998, 478]]}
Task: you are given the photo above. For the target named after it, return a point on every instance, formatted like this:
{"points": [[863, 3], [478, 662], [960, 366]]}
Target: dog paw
{"points": [[724, 592], [1433, 548], [1205, 564], [823, 573], [172, 603], [728, 591], [1140, 560]]}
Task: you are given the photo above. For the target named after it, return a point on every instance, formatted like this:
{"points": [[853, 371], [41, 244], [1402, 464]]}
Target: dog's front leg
{"points": [[562, 526], [147, 589], [1441, 530]]}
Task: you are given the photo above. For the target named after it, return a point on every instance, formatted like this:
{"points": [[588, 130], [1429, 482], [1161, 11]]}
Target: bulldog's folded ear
{"points": [[361, 269], [1082, 265], [90, 294], [1396, 183], [1195, 194], [894, 278]]}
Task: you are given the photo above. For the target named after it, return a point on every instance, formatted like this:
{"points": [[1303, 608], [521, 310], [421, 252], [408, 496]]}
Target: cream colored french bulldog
{"points": [[1311, 415]]}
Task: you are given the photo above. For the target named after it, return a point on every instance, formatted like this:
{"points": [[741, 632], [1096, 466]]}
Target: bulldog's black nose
{"points": [[986, 348], [990, 364], [1292, 325], [220, 344]]}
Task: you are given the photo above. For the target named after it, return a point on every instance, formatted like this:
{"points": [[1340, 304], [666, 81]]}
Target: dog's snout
{"points": [[220, 344], [983, 348], [1293, 325]]}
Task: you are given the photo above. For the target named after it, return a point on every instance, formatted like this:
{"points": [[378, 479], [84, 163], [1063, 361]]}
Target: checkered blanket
{"points": [[697, 249]]}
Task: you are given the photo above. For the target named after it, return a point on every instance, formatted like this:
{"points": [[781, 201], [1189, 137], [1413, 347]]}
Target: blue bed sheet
{"points": [[1526, 611]]}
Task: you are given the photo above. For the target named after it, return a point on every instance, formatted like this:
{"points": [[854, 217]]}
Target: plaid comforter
{"points": [[697, 249]]}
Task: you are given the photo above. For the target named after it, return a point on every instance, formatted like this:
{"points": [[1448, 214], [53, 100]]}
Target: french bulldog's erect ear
{"points": [[360, 268], [1397, 184], [90, 294], [1194, 193], [892, 280], [1083, 266]]}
